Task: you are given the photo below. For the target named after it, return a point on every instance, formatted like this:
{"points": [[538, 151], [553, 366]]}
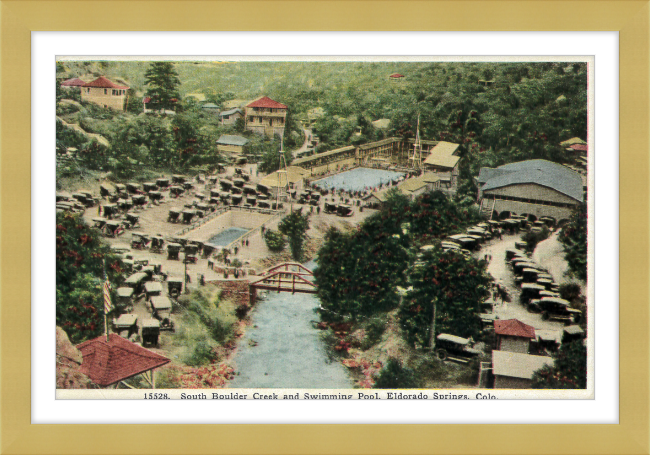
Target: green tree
{"points": [[162, 85], [270, 151], [274, 240], [358, 272], [569, 370], [395, 376], [295, 226], [574, 239], [80, 256], [452, 286]]}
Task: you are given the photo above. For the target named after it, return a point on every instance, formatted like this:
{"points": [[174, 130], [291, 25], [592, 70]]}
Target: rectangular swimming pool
{"points": [[359, 179], [227, 236]]}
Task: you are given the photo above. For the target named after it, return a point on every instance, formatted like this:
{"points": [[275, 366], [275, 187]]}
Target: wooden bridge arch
{"points": [[286, 277]]}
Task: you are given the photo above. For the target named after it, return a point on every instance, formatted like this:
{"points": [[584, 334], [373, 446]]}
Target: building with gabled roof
{"points": [[231, 144], [104, 92], [266, 116], [109, 362], [444, 158], [513, 335], [73, 83], [230, 116], [396, 77], [531, 188], [514, 370]]}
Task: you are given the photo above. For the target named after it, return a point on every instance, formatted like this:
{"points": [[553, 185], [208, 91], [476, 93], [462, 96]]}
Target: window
{"points": [[105, 91]]}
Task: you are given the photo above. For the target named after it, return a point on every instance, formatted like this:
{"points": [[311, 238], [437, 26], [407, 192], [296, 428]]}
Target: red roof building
{"points": [[266, 102], [513, 335], [74, 82], [266, 116], [103, 82], [107, 363], [105, 93], [396, 75]]}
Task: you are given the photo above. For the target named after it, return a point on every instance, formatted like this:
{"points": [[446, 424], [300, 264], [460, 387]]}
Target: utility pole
{"points": [[187, 291]]}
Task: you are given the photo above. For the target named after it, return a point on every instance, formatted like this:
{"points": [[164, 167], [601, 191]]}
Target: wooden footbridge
{"points": [[287, 277]]}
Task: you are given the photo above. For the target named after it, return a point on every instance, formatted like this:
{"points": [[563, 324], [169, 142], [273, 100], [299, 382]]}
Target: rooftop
{"points": [[513, 328], [396, 75], [276, 179], [516, 365], [442, 155], [106, 363], [541, 172], [103, 82], [74, 82], [267, 102], [232, 140], [572, 141], [230, 112]]}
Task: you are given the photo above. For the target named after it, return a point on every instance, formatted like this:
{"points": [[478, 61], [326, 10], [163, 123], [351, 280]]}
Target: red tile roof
{"points": [[267, 102], [102, 82], [107, 363], [513, 328], [396, 75], [579, 147], [74, 82], [147, 99]]}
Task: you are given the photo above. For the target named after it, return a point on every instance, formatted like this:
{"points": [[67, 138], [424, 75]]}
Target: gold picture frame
{"points": [[19, 18]]}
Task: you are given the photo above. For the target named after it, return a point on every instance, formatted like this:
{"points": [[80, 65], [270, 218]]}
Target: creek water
{"points": [[282, 349]]}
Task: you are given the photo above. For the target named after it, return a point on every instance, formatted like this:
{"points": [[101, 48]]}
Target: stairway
{"points": [[487, 209]]}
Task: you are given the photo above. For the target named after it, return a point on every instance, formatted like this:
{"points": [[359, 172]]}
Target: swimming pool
{"points": [[358, 179], [227, 236]]}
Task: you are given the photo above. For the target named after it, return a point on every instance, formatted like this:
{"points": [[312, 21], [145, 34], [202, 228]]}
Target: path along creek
{"points": [[282, 349]]}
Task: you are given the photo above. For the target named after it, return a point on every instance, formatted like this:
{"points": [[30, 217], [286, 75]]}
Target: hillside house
{"points": [[230, 116], [513, 370], [513, 335], [533, 188], [443, 159], [396, 77], [233, 145], [266, 116], [73, 84], [105, 93], [210, 108]]}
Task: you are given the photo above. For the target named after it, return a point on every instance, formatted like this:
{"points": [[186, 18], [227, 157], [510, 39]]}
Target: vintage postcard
{"points": [[315, 229]]}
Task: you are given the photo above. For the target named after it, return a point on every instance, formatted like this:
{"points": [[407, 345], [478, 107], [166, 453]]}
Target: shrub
{"points": [[375, 328], [395, 376], [274, 241], [208, 323], [533, 238]]}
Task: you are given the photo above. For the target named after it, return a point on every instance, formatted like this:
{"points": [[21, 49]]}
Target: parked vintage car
{"points": [[126, 325], [150, 332], [455, 348], [161, 308]]}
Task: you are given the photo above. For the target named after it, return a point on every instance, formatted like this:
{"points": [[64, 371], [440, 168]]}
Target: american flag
{"points": [[108, 305]]}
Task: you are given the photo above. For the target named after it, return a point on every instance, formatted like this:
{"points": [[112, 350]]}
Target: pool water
{"points": [[227, 236], [359, 179]]}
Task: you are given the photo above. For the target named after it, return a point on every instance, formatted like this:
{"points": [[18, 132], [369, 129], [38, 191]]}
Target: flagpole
{"points": [[105, 313]]}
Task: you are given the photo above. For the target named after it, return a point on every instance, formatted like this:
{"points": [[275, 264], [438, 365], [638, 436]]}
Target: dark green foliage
{"points": [[456, 284], [533, 238], [569, 370], [358, 272], [295, 226], [80, 256], [395, 376], [274, 240], [162, 85], [269, 148], [574, 239], [374, 328], [294, 135]]}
